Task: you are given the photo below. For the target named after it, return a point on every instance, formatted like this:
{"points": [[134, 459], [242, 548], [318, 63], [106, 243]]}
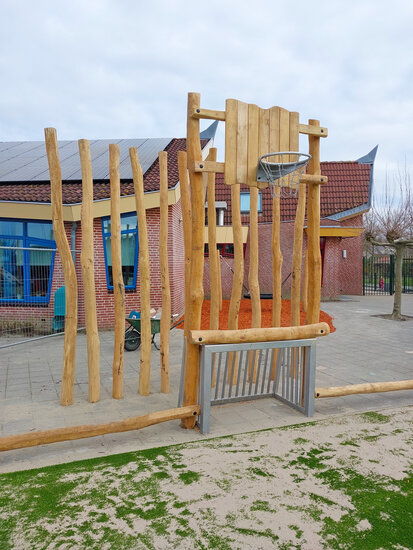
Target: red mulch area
{"points": [[245, 315]]}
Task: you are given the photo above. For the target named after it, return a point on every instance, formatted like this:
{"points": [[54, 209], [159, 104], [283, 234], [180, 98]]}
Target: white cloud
{"points": [[123, 68]]}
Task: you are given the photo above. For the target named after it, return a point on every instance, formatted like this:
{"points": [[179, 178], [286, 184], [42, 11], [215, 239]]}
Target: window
{"points": [[27, 253], [245, 202], [129, 250]]}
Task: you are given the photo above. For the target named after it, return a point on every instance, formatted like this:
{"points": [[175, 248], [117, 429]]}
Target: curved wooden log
{"points": [[118, 284], [249, 335], [80, 432], [374, 387], [88, 273], [164, 268], [214, 282], [69, 271], [144, 275]]}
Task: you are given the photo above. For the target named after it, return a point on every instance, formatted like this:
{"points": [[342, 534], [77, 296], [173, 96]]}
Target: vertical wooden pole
{"points": [[187, 228], [219, 279], [69, 272], [305, 282], [144, 275], [214, 283], [313, 223], [297, 256], [212, 247], [163, 254], [238, 277], [88, 273], [118, 284], [253, 276], [197, 258]]}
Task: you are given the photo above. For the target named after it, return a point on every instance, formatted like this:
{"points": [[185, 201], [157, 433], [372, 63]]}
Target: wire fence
{"points": [[32, 298], [379, 275]]}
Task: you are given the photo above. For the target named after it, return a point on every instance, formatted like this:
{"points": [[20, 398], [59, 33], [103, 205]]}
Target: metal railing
{"points": [[379, 276]]}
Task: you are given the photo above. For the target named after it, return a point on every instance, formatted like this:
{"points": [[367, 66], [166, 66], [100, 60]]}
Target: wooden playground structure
{"points": [[251, 134]]}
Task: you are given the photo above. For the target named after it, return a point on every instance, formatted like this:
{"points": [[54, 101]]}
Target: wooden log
{"points": [[305, 283], [118, 284], [164, 267], [219, 279], [191, 383], [374, 387], [313, 130], [92, 430], [144, 275], [69, 271], [209, 166], [249, 335], [88, 273], [209, 114], [253, 277], [313, 231], [187, 228], [212, 247]]}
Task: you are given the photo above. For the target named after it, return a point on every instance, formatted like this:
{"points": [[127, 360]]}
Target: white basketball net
{"points": [[283, 171]]}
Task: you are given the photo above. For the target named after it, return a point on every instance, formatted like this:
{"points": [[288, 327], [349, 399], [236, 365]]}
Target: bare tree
{"points": [[389, 224]]}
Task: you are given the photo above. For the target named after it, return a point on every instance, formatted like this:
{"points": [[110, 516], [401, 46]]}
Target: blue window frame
{"points": [[129, 250], [27, 254], [245, 202]]}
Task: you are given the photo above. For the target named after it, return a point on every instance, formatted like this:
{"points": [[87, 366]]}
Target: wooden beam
{"points": [[144, 275], [212, 247], [164, 268], [88, 273], [92, 430], [69, 271], [208, 114], [313, 131], [118, 284], [313, 178], [209, 166], [250, 335], [344, 232], [375, 387]]}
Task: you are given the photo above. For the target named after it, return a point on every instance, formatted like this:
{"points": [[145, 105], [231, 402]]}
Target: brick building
{"points": [[30, 271]]}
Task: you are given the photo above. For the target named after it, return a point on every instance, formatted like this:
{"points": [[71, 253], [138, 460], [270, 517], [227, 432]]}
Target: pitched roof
{"points": [[348, 189], [36, 187]]}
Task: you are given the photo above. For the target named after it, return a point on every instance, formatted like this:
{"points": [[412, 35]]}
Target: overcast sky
{"points": [[122, 68]]}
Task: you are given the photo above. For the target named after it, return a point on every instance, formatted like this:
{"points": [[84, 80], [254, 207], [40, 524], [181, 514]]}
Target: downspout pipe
{"points": [[73, 241]]}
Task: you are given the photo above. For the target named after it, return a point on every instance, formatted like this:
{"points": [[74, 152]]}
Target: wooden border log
{"points": [[144, 275], [374, 387], [249, 335], [69, 271], [88, 273], [164, 268], [193, 317], [118, 284], [313, 232], [81, 432]]}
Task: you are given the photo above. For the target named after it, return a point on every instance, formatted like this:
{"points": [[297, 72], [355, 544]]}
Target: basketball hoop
{"points": [[282, 171]]}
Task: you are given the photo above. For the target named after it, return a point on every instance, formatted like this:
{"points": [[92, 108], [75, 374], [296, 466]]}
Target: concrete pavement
{"points": [[365, 348]]}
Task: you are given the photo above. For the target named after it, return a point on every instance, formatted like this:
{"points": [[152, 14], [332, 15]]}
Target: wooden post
{"points": [[88, 273], [187, 228], [277, 260], [219, 279], [193, 319], [144, 274], [118, 285], [313, 223], [305, 282], [238, 277], [163, 254], [212, 247], [69, 272], [253, 277]]}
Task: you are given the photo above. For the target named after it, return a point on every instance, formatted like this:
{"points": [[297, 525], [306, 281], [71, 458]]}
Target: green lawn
{"points": [[342, 483]]}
